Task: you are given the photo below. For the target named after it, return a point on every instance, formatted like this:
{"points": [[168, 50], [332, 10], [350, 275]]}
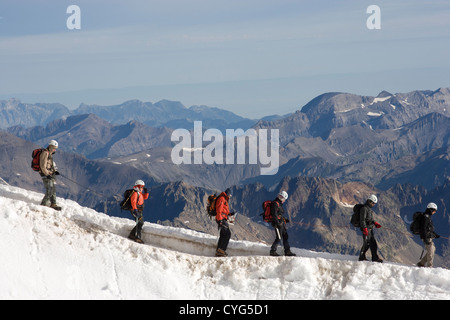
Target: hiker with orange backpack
{"points": [[279, 224]]}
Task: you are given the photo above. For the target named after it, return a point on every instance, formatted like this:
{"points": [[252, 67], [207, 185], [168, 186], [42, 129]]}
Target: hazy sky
{"points": [[252, 57]]}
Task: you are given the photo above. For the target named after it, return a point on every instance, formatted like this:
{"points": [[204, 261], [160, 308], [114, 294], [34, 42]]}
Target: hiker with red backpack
{"points": [[279, 224], [44, 164]]}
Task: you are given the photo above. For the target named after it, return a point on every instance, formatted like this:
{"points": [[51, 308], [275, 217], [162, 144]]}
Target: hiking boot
{"points": [[135, 239], [221, 253], [377, 260], [55, 206], [274, 253], [362, 259], [289, 253]]}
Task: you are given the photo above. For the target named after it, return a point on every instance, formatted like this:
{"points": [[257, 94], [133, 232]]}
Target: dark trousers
{"points": [[369, 242], [225, 234], [136, 232], [280, 231]]}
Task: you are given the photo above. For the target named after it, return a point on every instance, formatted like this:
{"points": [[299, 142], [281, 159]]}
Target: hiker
{"points": [[137, 198], [48, 171], [222, 213], [367, 223], [279, 224], [427, 235]]}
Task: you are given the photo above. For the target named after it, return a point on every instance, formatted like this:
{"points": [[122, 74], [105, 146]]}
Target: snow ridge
{"points": [[78, 253]]}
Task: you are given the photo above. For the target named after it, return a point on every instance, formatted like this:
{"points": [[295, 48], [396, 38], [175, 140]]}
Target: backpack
{"points": [[211, 206], [356, 215], [416, 224], [125, 204], [267, 214], [36, 159]]}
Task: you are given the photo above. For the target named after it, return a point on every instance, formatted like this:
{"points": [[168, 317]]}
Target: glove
{"points": [[57, 173], [365, 232], [145, 190], [232, 213], [377, 225]]}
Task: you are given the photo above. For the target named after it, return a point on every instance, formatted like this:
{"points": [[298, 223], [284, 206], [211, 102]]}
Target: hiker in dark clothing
{"points": [[279, 224], [367, 223], [427, 235]]}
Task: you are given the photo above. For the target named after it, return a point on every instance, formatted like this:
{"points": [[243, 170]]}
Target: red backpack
{"points": [[267, 215], [35, 163]]}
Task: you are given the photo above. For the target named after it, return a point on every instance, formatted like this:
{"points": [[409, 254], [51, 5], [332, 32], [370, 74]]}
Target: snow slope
{"points": [[78, 253]]}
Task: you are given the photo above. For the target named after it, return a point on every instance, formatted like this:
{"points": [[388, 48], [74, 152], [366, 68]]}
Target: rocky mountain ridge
{"points": [[95, 138]]}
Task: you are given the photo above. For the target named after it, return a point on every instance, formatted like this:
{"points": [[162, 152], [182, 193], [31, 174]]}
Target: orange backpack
{"points": [[211, 206]]}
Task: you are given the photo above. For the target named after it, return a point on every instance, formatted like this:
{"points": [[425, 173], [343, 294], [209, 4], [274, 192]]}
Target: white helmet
{"points": [[53, 143], [432, 205], [283, 194], [139, 183], [373, 198]]}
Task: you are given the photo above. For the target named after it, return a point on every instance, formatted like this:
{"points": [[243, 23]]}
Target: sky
{"points": [[252, 57]]}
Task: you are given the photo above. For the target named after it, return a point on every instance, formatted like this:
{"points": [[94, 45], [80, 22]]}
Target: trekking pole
{"points": [[423, 250], [135, 227], [278, 232]]}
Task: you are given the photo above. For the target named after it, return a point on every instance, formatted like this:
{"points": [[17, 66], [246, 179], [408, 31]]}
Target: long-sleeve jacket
{"points": [[46, 163], [277, 211], [427, 228], [366, 219], [222, 208], [137, 200]]}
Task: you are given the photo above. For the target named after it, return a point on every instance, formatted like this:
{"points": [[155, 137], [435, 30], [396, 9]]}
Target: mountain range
{"points": [[336, 150], [165, 113]]}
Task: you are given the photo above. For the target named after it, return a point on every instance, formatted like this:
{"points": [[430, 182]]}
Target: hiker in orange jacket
{"points": [[222, 213], [137, 207]]}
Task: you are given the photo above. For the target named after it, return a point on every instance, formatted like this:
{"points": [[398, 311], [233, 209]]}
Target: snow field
{"points": [[78, 253]]}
